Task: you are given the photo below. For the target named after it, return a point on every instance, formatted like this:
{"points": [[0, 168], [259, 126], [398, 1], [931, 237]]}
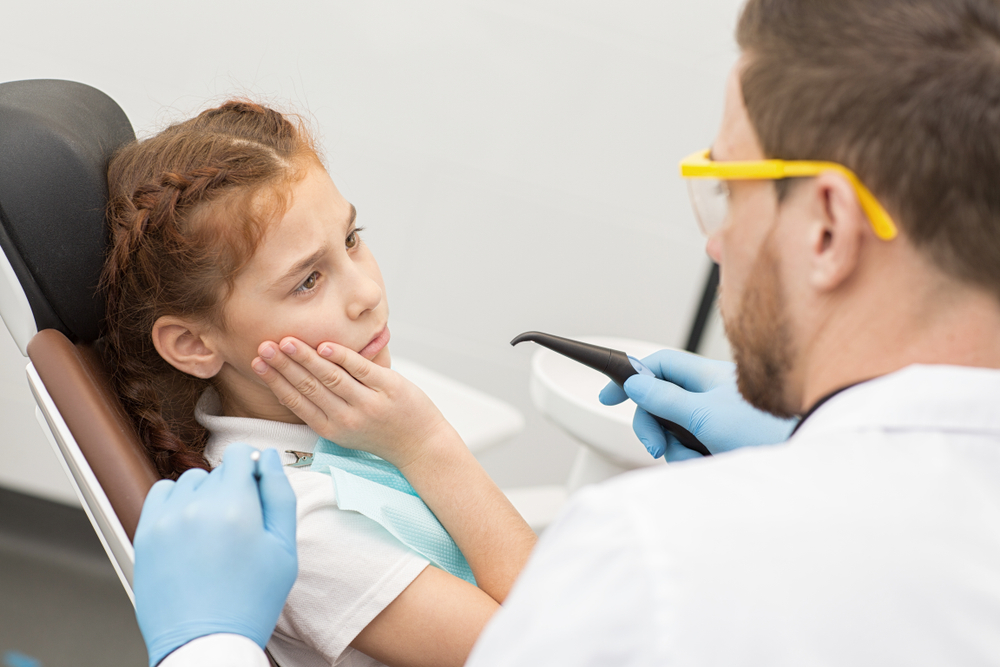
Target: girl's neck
{"points": [[242, 397]]}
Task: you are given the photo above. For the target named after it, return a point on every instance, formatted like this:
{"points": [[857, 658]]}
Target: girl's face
{"points": [[312, 277]]}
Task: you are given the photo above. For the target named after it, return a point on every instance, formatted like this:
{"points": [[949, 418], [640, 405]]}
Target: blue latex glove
{"points": [[699, 394], [215, 553]]}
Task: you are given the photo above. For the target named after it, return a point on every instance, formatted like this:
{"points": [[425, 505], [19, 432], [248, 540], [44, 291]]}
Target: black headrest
{"points": [[56, 138]]}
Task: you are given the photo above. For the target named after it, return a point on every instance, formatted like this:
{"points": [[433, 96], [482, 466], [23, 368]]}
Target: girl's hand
{"points": [[352, 401], [355, 403]]}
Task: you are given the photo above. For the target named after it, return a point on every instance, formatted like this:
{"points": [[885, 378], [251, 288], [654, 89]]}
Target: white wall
{"points": [[515, 162]]}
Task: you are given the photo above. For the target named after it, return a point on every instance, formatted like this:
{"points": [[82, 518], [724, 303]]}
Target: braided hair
{"points": [[186, 211]]}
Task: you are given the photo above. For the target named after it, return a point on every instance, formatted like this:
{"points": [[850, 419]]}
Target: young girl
{"points": [[243, 305]]}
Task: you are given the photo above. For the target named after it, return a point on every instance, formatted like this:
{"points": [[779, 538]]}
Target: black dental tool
{"points": [[617, 365]]}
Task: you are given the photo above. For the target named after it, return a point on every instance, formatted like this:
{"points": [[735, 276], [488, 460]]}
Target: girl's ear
{"points": [[185, 346]]}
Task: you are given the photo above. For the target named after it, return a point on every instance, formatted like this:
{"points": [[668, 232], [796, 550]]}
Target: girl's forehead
{"points": [[315, 216]]}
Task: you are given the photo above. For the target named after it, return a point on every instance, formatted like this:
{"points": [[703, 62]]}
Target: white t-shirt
{"points": [[350, 568], [872, 537]]}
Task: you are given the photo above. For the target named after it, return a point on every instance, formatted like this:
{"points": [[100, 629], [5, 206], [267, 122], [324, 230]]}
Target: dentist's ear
{"points": [[185, 346], [839, 232]]}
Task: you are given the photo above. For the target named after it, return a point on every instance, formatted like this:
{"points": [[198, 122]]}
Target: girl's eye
{"points": [[309, 283], [353, 239]]}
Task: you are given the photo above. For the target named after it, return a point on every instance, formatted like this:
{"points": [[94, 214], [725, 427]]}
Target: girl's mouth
{"points": [[375, 346]]}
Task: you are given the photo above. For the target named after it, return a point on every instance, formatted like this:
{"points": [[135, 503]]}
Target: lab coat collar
{"points": [[816, 406], [918, 397]]}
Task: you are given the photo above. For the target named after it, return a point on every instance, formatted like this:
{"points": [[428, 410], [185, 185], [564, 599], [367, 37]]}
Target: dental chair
{"points": [[55, 141]]}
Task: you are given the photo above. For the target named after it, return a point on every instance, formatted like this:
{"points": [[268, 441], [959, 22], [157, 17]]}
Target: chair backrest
{"points": [[55, 141], [56, 138]]}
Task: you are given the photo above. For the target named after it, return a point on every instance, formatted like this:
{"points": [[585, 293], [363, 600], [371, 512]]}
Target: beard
{"points": [[760, 337]]}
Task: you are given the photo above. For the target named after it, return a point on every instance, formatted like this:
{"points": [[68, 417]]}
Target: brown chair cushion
{"points": [[76, 380]]}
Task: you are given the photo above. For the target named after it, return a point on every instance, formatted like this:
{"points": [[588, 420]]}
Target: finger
{"points": [[650, 433], [364, 371], [678, 452], [690, 371], [186, 486], [286, 391], [153, 506], [662, 399], [316, 378], [235, 477], [658, 441], [237, 462], [328, 373], [612, 394], [277, 498]]}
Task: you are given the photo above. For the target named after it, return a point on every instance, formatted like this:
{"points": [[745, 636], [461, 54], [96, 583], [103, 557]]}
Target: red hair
{"points": [[187, 209]]}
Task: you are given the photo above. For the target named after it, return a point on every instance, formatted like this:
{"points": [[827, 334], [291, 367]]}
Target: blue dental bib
{"points": [[375, 488]]}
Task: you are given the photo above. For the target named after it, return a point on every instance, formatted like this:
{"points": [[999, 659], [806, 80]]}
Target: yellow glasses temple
{"points": [[700, 165]]}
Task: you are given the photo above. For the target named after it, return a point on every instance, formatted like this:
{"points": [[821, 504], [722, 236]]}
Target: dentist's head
{"points": [[883, 250]]}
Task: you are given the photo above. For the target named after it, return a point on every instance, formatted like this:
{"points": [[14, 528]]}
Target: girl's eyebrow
{"points": [[304, 264]]}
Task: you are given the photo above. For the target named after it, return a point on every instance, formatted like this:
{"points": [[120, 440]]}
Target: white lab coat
{"points": [[871, 538]]}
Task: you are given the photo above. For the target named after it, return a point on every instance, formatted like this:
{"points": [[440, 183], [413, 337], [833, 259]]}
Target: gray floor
{"points": [[61, 604]]}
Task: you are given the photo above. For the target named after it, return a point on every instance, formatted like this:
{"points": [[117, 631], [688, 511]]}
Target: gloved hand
{"points": [[215, 553], [700, 395]]}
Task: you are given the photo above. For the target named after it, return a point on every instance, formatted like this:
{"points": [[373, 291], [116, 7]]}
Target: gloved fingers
{"points": [[689, 371], [612, 394], [277, 498], [678, 452], [185, 488], [663, 399], [152, 506], [650, 433], [236, 473]]}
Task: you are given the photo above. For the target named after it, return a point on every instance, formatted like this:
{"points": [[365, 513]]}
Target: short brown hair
{"points": [[904, 92]]}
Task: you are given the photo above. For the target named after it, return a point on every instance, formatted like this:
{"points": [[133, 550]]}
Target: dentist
{"points": [[852, 201]]}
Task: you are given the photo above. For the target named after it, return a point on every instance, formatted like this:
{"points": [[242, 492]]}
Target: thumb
{"points": [[277, 499], [661, 398]]}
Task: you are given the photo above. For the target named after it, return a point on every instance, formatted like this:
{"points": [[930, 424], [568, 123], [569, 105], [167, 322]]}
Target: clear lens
{"points": [[710, 201]]}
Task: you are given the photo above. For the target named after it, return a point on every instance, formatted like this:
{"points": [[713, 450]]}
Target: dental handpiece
{"points": [[617, 365]]}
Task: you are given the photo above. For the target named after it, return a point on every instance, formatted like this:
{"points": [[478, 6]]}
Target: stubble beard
{"points": [[760, 336]]}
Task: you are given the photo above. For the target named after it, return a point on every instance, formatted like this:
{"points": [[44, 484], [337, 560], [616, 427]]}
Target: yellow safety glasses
{"points": [[710, 196]]}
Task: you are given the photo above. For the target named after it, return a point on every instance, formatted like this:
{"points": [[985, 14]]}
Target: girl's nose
{"points": [[365, 294]]}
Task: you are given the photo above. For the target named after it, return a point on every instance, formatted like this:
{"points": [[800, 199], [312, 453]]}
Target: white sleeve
{"points": [[583, 599], [217, 651]]}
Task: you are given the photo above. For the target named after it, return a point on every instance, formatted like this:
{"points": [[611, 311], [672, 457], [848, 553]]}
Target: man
{"points": [[865, 294]]}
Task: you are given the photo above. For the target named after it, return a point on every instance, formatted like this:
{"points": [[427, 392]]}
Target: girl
{"points": [[243, 305]]}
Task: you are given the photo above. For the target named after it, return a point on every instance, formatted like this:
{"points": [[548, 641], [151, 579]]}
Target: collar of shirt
{"points": [[817, 404], [918, 397], [259, 433]]}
